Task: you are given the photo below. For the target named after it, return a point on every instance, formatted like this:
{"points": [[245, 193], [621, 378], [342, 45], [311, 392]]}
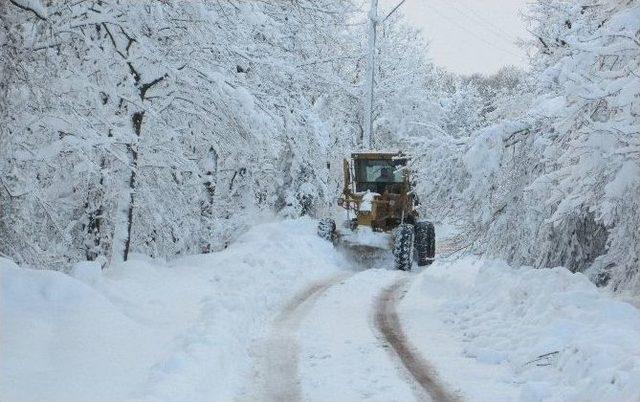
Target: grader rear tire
{"points": [[403, 247], [425, 243]]}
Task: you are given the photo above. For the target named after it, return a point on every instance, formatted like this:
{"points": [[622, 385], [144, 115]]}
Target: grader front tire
{"points": [[403, 247], [327, 229]]}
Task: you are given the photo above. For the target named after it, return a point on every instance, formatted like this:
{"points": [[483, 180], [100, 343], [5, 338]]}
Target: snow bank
{"points": [[152, 331], [63, 341], [499, 333]]}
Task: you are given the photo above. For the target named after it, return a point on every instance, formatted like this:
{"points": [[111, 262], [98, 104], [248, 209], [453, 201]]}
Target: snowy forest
{"points": [[164, 128], [170, 171]]}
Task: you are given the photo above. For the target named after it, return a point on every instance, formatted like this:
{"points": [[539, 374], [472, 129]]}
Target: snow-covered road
{"points": [[342, 353], [277, 359], [283, 316], [390, 326], [342, 336]]}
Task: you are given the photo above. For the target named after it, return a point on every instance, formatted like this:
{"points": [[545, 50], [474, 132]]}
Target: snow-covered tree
{"points": [[158, 127], [553, 177]]}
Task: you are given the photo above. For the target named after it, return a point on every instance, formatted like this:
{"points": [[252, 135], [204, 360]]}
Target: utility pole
{"points": [[370, 76], [371, 72]]}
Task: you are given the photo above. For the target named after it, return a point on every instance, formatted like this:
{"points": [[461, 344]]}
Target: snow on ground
{"points": [[195, 329], [342, 354], [63, 341], [503, 334], [151, 331]]}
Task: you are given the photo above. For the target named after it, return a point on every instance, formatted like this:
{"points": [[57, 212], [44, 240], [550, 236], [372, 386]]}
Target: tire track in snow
{"points": [[279, 366], [388, 323]]}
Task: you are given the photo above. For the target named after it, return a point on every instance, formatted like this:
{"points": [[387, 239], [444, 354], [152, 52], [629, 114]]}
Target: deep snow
{"points": [[192, 329], [502, 334], [152, 331]]}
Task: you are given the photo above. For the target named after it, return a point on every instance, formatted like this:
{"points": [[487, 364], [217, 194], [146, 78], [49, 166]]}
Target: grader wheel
{"points": [[403, 247]]}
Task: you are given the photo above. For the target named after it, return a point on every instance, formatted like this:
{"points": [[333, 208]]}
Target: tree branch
{"points": [[145, 87], [27, 8]]}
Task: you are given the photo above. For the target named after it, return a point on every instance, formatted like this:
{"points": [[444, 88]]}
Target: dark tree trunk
{"points": [[133, 151], [95, 225], [209, 181], [210, 174]]}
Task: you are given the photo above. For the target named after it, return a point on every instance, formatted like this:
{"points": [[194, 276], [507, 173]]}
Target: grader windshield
{"points": [[378, 175]]}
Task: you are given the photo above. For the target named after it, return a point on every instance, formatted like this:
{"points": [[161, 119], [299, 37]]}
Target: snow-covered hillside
{"points": [[226, 326]]}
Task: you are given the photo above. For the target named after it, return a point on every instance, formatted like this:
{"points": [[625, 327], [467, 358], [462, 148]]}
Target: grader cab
{"points": [[381, 209]]}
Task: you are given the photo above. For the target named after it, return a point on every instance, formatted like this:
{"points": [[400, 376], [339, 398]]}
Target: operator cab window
{"points": [[378, 175]]}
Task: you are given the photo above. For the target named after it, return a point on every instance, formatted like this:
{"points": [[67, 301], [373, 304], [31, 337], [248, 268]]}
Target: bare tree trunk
{"points": [[133, 151], [95, 242], [206, 207]]}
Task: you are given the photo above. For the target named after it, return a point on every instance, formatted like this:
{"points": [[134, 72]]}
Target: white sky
{"points": [[468, 36]]}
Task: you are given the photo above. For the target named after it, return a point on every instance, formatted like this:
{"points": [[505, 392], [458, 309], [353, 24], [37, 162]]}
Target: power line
{"points": [[475, 34], [478, 15], [489, 26], [394, 10]]}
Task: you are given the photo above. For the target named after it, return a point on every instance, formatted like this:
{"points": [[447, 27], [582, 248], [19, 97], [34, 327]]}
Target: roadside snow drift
{"points": [[504, 334], [151, 331], [196, 329]]}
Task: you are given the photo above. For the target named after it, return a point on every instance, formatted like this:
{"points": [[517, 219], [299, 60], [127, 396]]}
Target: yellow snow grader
{"points": [[380, 210]]}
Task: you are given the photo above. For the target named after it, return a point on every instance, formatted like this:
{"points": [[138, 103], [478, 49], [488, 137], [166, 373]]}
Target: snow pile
{"points": [[367, 200], [364, 236], [499, 333], [63, 341], [152, 331]]}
